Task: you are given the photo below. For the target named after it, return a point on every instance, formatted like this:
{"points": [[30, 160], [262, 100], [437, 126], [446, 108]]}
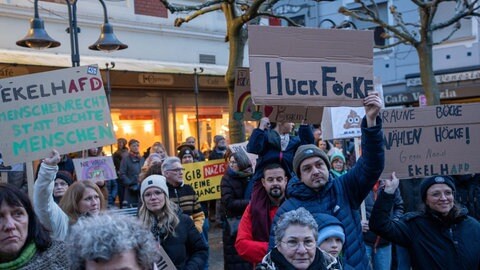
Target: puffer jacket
{"points": [[432, 243], [341, 197], [266, 144]]}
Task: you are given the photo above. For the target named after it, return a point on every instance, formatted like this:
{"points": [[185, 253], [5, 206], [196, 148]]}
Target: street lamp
{"points": [[195, 89], [37, 37]]}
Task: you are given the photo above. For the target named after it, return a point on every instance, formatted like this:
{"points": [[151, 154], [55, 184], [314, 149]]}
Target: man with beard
{"points": [[313, 189], [254, 228]]}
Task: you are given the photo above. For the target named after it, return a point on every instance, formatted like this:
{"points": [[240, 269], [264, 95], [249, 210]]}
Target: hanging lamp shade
{"points": [[37, 37], [107, 41]]}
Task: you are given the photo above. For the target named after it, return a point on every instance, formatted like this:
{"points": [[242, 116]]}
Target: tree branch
{"points": [[289, 20], [390, 45], [178, 8], [455, 29], [467, 10], [180, 21]]}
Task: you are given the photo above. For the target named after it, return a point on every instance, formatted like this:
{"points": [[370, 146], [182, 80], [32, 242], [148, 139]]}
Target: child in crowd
{"points": [[331, 237]]}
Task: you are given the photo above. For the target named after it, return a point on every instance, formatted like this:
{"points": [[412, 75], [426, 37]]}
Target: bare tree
{"points": [[418, 34], [237, 14]]}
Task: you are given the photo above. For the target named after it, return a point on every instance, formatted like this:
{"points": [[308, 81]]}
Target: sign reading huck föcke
{"points": [[64, 109], [309, 66]]}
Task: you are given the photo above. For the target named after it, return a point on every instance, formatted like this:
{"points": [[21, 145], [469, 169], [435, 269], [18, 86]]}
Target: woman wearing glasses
{"points": [[296, 236], [174, 230], [233, 185]]}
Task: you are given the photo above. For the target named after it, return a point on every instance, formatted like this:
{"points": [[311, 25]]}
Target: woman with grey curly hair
{"points": [[296, 245], [112, 242]]}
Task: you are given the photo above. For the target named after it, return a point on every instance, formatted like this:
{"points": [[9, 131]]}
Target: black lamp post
{"points": [[37, 37], [195, 89]]}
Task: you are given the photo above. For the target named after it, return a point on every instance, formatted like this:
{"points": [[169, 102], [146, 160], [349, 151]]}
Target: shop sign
{"points": [[211, 81], [446, 78], [410, 97], [155, 79], [7, 71]]}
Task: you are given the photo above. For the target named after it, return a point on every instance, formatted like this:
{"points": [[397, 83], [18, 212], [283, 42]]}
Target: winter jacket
{"points": [[47, 210], [249, 248], [431, 242], [187, 249], [186, 198], [342, 197], [233, 186], [266, 144], [397, 211], [274, 260], [130, 168], [53, 258]]}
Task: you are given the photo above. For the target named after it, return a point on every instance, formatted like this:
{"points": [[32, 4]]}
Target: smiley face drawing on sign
{"points": [[353, 120]]}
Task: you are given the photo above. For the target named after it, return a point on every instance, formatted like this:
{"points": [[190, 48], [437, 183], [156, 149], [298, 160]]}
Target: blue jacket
{"points": [[342, 196], [266, 144]]}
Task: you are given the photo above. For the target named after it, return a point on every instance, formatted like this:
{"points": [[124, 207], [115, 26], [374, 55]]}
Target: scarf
{"points": [[260, 210], [25, 257], [282, 263]]}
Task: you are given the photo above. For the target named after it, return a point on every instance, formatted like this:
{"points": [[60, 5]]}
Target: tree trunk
{"points": [[427, 76], [237, 42]]}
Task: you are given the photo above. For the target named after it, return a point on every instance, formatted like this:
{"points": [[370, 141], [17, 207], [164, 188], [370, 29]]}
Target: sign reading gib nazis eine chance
{"points": [[64, 109], [309, 66], [433, 140]]}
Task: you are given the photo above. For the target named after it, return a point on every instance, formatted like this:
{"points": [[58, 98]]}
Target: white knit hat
{"points": [[154, 180]]}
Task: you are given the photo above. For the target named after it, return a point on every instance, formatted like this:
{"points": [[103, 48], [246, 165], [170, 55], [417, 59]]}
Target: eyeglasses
{"points": [[177, 170], [149, 195], [294, 244]]}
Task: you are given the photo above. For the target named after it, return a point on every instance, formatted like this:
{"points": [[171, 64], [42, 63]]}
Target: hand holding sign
{"points": [[264, 123], [53, 159], [391, 184], [372, 104]]}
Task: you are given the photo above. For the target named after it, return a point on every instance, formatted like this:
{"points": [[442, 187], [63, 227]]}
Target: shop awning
{"points": [[42, 58]]}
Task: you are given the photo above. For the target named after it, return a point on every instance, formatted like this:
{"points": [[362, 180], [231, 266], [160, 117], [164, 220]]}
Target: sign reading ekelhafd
{"points": [[433, 140], [309, 66], [64, 109]]}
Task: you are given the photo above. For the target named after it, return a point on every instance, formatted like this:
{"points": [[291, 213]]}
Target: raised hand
{"points": [[53, 159], [372, 104], [391, 184], [264, 123]]}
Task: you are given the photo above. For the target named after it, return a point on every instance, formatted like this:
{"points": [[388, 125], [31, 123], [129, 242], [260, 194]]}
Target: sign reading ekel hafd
{"points": [[309, 66], [432, 140], [64, 109]]}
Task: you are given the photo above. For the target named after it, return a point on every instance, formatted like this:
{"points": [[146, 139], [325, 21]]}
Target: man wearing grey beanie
{"points": [[340, 197]]}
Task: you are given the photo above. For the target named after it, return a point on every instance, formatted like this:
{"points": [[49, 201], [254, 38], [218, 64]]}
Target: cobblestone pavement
{"points": [[215, 242]]}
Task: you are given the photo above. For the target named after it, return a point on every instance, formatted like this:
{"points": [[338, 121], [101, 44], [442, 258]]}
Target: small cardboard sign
{"points": [[342, 122], [245, 110], [64, 109], [165, 262], [242, 147], [205, 178], [295, 66], [95, 168], [431, 140]]}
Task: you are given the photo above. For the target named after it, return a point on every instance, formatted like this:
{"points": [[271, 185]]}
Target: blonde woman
{"points": [[82, 198], [174, 230]]}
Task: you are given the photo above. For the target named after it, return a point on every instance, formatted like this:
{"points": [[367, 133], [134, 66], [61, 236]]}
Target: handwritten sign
{"points": [[64, 109], [242, 147], [310, 66], [246, 110], [432, 140], [342, 122], [205, 178], [95, 168]]}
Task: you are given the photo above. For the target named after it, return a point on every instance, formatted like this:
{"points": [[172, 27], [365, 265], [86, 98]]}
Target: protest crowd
{"points": [[299, 207]]}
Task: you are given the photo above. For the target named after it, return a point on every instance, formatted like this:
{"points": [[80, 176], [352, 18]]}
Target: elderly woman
{"points": [[296, 235], [24, 242], [174, 230], [441, 236], [81, 198], [63, 180], [112, 242], [233, 185]]}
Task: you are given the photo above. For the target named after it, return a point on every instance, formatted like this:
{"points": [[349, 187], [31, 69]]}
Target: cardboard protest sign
{"points": [[342, 122], [246, 110], [432, 140], [165, 262], [310, 66], [242, 147], [95, 168], [64, 109], [205, 178]]}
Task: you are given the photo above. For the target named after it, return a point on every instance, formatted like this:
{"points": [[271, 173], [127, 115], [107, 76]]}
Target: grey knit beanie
{"points": [[307, 151]]}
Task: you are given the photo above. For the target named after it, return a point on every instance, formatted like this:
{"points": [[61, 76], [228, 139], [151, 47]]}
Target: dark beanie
{"points": [[185, 151], [65, 176], [307, 151], [438, 179]]}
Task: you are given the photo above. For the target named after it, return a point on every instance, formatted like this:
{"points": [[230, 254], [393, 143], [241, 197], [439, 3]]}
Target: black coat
{"points": [[187, 250], [431, 242], [232, 187]]}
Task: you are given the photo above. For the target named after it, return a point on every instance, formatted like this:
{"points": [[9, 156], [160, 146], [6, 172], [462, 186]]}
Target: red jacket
{"points": [[248, 248]]}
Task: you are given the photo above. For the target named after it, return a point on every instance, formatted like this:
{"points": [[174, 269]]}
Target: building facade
{"points": [[152, 82], [456, 61]]}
